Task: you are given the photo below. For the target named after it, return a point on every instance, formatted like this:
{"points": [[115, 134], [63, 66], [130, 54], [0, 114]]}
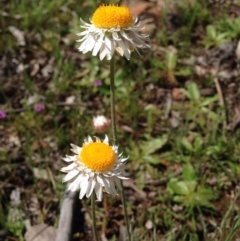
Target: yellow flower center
{"points": [[98, 156], [112, 17]]}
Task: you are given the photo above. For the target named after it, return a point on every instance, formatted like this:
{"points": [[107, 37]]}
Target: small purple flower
{"points": [[97, 83], [2, 114], [38, 107]]}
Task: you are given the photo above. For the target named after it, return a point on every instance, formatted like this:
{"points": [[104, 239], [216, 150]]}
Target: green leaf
{"points": [[186, 144], [155, 160], [178, 187], [189, 173], [171, 60], [198, 143], [179, 199], [211, 32], [204, 203], [153, 145], [213, 116], [213, 150], [185, 92], [191, 186], [210, 100], [193, 91], [152, 171], [222, 37], [206, 194]]}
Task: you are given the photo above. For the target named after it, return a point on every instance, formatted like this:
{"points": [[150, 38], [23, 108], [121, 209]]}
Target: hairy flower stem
{"points": [[112, 101], [94, 217], [114, 136]]}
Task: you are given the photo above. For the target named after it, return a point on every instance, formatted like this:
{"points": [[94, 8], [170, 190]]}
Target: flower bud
{"points": [[101, 123]]}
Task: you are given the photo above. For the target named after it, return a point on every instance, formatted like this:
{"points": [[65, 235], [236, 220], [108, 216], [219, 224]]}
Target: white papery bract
{"points": [[95, 166]]}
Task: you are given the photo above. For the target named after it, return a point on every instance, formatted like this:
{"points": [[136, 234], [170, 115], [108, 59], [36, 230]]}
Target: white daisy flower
{"points": [[112, 28], [95, 166]]}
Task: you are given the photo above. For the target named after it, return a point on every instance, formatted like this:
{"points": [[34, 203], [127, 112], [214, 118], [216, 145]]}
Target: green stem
{"points": [[125, 211], [94, 217], [112, 100], [114, 136]]}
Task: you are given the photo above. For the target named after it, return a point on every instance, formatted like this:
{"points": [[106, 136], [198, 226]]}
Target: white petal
{"points": [[115, 36], [115, 148], [91, 43], [107, 49], [68, 158], [100, 180], [91, 186], [138, 39], [75, 149], [120, 51], [117, 181], [68, 168], [83, 187], [110, 46], [84, 33], [70, 175], [84, 47], [106, 140], [96, 48], [124, 159], [87, 45], [83, 22], [89, 139], [103, 52], [109, 56], [84, 180], [122, 177], [112, 186], [125, 36], [98, 45], [98, 191], [123, 49], [106, 183], [75, 185]]}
